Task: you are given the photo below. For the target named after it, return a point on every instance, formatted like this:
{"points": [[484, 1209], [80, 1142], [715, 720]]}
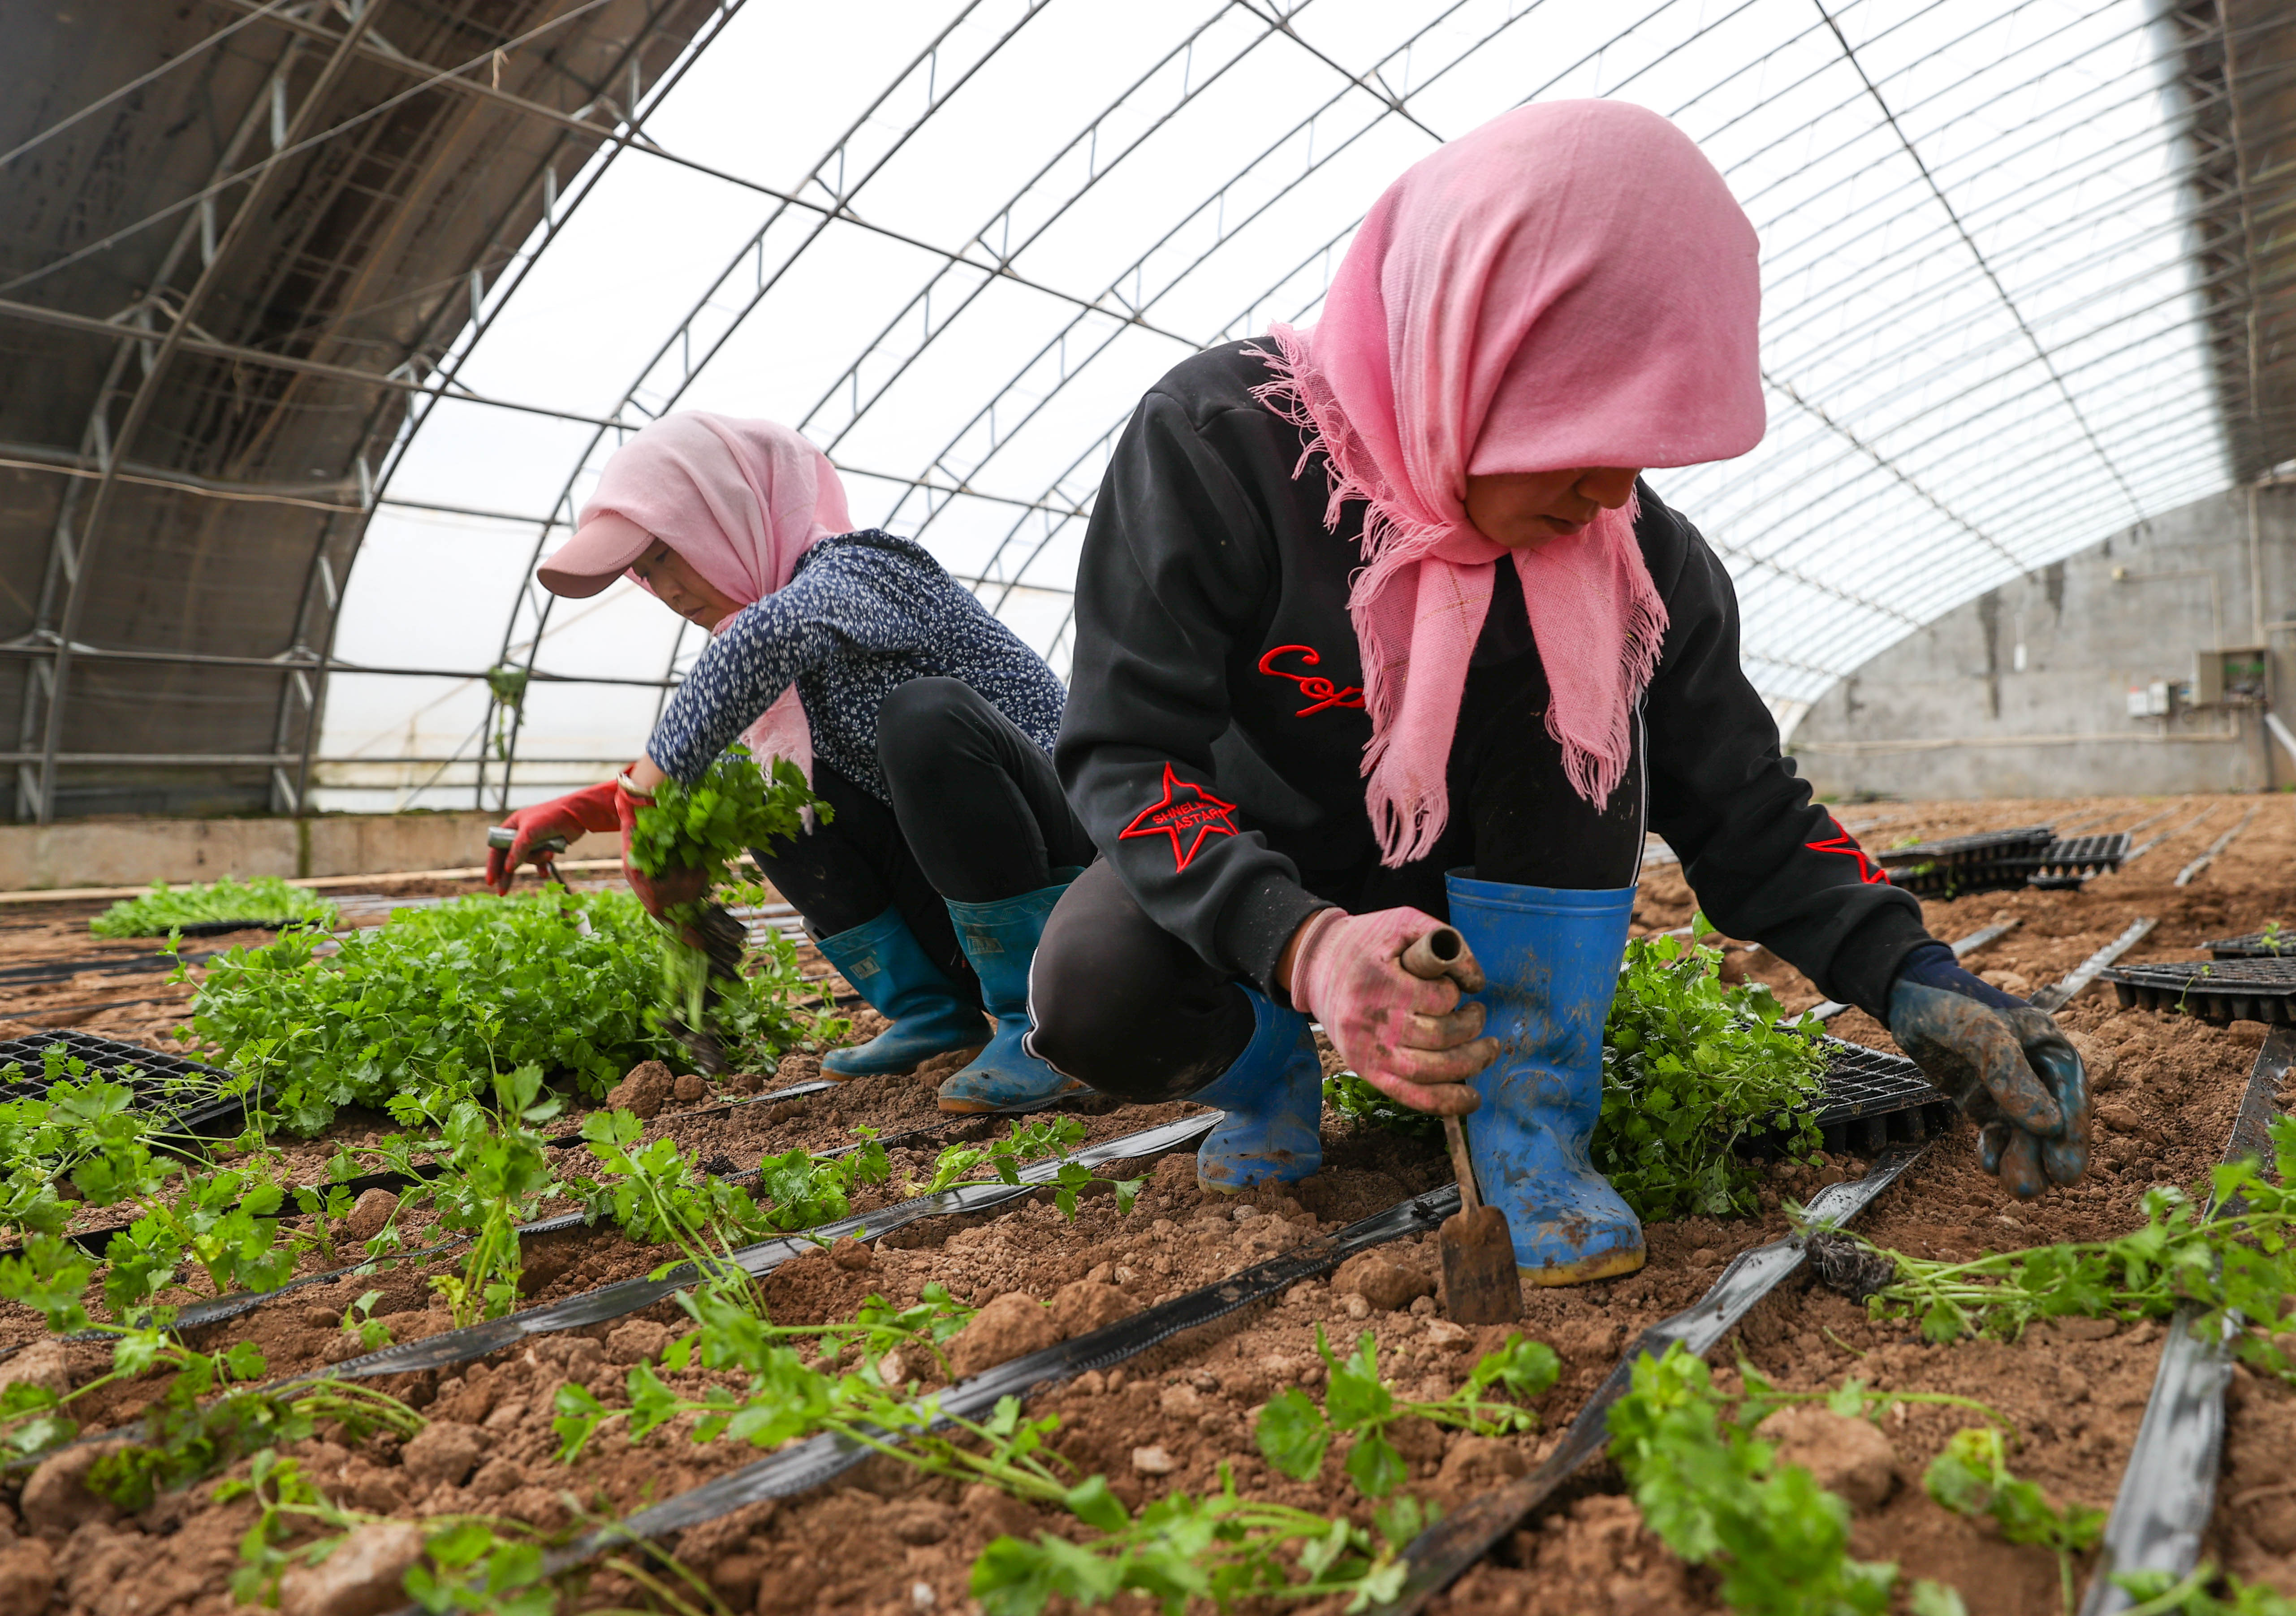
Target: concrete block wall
{"points": [[2023, 691], [134, 852]]}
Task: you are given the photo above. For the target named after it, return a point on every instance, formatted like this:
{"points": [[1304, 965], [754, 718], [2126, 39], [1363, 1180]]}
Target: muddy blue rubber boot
{"points": [[1000, 938], [1551, 958], [1274, 1098], [890, 970]]}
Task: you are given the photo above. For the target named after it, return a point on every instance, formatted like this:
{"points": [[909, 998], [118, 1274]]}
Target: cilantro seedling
{"points": [[1971, 1477]]}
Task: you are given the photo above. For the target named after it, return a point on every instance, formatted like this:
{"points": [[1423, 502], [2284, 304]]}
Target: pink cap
{"points": [[600, 552]]}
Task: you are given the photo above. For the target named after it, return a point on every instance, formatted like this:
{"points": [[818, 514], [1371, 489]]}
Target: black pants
{"points": [[1124, 1004], [977, 816]]}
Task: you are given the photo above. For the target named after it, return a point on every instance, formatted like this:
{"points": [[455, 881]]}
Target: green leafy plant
{"points": [[1716, 1494], [1692, 1069], [1360, 1103], [2165, 1593], [1294, 1434], [1026, 1142], [2235, 1267], [1971, 1477], [165, 908], [659, 1194], [497, 1174], [411, 1016]]}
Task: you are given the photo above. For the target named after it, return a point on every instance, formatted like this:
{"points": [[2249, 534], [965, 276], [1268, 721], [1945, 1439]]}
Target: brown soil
{"points": [[2167, 1091]]}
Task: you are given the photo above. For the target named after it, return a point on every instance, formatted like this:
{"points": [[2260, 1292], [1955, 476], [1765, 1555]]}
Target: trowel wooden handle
{"points": [[1455, 1134], [1431, 955]]}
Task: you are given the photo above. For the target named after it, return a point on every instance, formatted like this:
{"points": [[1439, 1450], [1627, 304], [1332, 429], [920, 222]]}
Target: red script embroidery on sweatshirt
{"points": [[1845, 844], [1320, 691], [1187, 811]]}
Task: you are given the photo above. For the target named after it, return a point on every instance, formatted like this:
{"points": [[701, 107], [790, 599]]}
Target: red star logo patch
{"points": [[1187, 811], [1842, 842]]}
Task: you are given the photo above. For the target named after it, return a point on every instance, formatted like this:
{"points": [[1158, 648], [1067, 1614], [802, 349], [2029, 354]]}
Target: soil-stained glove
{"points": [[2003, 1063], [1411, 1040], [592, 808]]}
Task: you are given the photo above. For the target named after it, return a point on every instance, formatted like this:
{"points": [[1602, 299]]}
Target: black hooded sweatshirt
{"points": [[1215, 729]]}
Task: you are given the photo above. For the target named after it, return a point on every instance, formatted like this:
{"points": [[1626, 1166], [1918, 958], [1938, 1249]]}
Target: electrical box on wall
{"points": [[2149, 700], [2230, 676]]}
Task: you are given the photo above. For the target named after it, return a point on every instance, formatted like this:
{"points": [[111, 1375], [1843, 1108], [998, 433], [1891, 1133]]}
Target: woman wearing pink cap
{"points": [[924, 723], [1377, 625]]}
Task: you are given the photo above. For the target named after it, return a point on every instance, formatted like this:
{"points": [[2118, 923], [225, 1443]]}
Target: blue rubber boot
{"points": [[1552, 958], [890, 969], [1274, 1098], [1000, 939]]}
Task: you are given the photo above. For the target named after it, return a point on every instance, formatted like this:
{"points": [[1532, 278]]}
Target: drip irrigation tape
{"points": [[1441, 1553], [811, 1463], [100, 964], [2168, 1490], [2058, 995], [628, 1296], [2193, 823], [2191, 872]]}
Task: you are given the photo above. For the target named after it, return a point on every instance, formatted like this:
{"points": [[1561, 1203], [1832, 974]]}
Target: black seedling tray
{"points": [[1961, 865], [2218, 991], [111, 1058], [1873, 1099], [2070, 860], [2253, 945]]}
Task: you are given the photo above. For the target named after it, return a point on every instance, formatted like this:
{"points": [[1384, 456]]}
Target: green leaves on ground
{"points": [[164, 907], [2164, 1594], [1026, 1142], [1971, 1477], [428, 1005], [2235, 1267], [1359, 1101], [657, 1194], [1690, 1069], [1717, 1494], [1294, 1434]]}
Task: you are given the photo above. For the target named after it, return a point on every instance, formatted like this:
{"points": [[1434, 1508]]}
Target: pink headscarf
{"points": [[1571, 285], [740, 500]]}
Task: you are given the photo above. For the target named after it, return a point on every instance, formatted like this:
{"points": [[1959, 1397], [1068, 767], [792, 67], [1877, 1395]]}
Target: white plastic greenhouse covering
{"points": [[953, 242]]}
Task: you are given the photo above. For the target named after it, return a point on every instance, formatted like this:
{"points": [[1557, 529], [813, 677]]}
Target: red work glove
{"points": [[679, 884], [1409, 1039], [591, 808]]}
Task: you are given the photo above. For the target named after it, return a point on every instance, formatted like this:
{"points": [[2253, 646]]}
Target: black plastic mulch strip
{"points": [[2253, 945], [99, 965], [2062, 992], [1441, 1553], [629, 1295], [2218, 991], [809, 1464], [2168, 1490]]}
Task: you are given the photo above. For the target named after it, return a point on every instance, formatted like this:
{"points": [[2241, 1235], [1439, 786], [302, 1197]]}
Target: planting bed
{"points": [[882, 1538]]}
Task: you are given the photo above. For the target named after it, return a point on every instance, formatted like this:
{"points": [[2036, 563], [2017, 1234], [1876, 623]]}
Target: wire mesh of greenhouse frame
{"points": [[148, 1072], [2218, 991]]}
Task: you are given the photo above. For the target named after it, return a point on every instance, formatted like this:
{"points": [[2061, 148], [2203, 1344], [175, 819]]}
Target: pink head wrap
{"points": [[740, 500], [1569, 286]]}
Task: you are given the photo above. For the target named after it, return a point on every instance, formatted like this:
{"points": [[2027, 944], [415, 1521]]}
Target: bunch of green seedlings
{"points": [[423, 1008], [1972, 1478], [1691, 1071], [164, 907], [710, 826], [1717, 1494], [2236, 1266]]}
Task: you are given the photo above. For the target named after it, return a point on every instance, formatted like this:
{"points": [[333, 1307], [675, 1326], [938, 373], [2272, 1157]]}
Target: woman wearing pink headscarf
{"points": [[1378, 626], [924, 723]]}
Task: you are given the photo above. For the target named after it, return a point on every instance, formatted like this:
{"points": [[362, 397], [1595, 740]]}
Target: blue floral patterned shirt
{"points": [[863, 614]]}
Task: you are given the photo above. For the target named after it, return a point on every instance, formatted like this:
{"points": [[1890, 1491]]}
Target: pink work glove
{"points": [[592, 808], [1411, 1040]]}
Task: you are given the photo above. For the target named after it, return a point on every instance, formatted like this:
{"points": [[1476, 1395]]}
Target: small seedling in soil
{"points": [[2236, 1267], [165, 908], [497, 1174], [1028, 1142], [1716, 1494], [2164, 1594], [1294, 1434], [1971, 1477], [359, 1320]]}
